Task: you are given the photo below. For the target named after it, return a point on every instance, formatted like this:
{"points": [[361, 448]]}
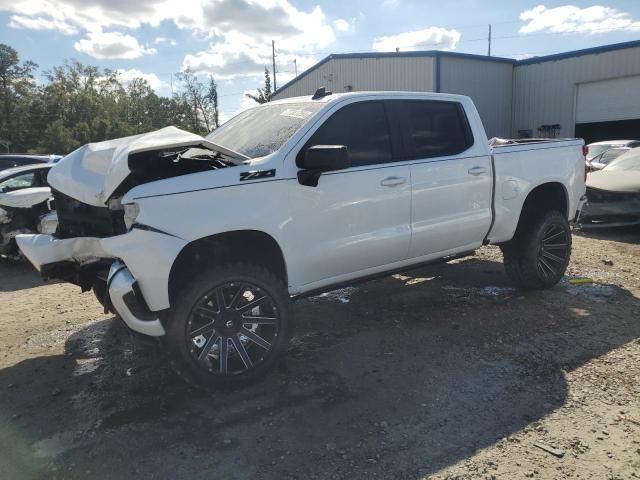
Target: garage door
{"points": [[609, 100]]}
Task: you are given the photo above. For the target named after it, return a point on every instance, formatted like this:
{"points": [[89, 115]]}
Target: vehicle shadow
{"points": [[618, 234], [397, 378], [18, 275]]}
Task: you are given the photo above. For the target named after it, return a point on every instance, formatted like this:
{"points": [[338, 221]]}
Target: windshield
{"points": [[595, 150], [630, 161], [610, 155], [263, 130]]}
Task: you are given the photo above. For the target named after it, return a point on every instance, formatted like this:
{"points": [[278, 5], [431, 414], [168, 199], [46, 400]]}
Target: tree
{"points": [[203, 112], [264, 93], [16, 92], [212, 98], [78, 103]]}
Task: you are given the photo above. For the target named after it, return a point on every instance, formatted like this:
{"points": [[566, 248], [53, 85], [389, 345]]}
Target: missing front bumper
{"points": [[128, 302]]}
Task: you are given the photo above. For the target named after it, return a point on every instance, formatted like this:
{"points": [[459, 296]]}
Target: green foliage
{"points": [[264, 93], [80, 103]]}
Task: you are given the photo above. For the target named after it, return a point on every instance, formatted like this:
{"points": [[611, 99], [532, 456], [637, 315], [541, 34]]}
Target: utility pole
{"points": [[273, 58], [489, 39], [295, 66]]}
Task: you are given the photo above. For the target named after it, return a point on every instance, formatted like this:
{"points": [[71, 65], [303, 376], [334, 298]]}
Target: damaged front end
{"points": [[610, 209], [30, 215], [96, 245]]}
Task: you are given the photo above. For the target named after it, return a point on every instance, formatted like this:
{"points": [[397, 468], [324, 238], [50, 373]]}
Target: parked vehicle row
{"points": [[614, 193], [204, 241], [600, 154], [24, 199]]}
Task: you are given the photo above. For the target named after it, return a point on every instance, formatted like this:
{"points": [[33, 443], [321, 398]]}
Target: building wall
{"points": [[545, 93], [488, 83], [414, 74]]}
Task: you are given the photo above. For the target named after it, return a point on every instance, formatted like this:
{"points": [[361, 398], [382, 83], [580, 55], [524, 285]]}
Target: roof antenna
{"points": [[320, 93]]}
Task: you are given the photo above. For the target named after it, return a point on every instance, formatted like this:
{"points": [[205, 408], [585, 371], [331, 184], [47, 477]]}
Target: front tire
{"points": [[538, 255], [228, 326]]}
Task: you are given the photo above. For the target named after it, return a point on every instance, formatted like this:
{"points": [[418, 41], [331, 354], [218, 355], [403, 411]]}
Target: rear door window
{"points": [[361, 127], [18, 182], [433, 128]]}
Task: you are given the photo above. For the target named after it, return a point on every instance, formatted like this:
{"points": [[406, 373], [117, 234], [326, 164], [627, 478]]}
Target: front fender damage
{"points": [[148, 255]]}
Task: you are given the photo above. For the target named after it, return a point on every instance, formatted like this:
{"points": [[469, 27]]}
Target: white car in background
{"points": [[596, 149], [24, 205], [204, 241]]}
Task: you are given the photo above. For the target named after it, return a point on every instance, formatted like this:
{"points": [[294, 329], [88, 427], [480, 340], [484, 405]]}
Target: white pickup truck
{"points": [[204, 241]]}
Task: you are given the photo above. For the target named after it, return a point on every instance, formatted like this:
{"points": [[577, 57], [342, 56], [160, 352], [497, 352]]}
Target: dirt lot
{"points": [[444, 373]]}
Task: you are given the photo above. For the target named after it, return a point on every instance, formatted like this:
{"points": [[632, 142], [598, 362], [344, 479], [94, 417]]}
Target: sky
{"points": [[231, 39]]}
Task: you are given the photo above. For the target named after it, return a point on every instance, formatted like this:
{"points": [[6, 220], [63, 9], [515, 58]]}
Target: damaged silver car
{"points": [[614, 194], [24, 205]]}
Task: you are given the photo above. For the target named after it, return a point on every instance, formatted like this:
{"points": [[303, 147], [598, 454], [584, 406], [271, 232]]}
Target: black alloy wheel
{"points": [[554, 251], [232, 328]]}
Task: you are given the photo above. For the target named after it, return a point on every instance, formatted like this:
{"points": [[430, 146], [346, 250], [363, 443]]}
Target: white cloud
{"points": [[343, 25], [163, 40], [112, 45], [435, 38], [241, 44], [41, 23], [127, 76], [240, 30], [569, 18]]}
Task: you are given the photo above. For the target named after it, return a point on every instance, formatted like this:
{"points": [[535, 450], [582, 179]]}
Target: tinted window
{"points": [[435, 129], [362, 128], [17, 182]]}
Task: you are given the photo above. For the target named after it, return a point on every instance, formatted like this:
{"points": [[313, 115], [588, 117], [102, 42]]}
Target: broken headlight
{"points": [[131, 212]]}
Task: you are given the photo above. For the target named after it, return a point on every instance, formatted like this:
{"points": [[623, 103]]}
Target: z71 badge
{"points": [[257, 174]]}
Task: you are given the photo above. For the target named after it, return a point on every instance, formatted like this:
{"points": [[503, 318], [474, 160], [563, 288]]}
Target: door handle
{"points": [[393, 181], [477, 170]]}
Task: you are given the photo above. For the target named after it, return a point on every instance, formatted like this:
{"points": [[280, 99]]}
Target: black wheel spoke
{"points": [[553, 236], [556, 246], [236, 297], [552, 271], [206, 312], [251, 304], [553, 257], [202, 330], [255, 338], [220, 299], [241, 351], [259, 320], [206, 349], [224, 354]]}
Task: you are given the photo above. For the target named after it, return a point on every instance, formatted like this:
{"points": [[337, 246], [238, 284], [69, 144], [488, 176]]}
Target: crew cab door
{"points": [[358, 218], [451, 176]]}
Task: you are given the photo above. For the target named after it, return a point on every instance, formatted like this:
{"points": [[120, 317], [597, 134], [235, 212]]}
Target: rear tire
{"points": [[228, 326], [538, 255]]}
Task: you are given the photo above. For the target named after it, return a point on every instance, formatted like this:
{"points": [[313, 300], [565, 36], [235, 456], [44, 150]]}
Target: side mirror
{"points": [[322, 158]]}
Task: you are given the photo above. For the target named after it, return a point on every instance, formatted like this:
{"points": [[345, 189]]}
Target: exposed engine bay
{"points": [[78, 219]]}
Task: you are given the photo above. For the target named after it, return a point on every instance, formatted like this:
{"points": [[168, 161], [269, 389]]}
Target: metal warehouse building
{"points": [[592, 93]]}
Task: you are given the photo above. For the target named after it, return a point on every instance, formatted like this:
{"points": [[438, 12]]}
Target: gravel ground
{"points": [[442, 373]]}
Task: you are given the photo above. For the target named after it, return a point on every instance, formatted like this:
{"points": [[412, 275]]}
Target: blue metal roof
{"points": [[579, 53], [440, 53]]}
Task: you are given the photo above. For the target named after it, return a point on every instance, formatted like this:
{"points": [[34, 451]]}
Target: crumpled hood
{"points": [[92, 173], [615, 181]]}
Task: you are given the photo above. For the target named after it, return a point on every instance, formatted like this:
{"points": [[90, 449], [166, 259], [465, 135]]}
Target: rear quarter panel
{"points": [[521, 168]]}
